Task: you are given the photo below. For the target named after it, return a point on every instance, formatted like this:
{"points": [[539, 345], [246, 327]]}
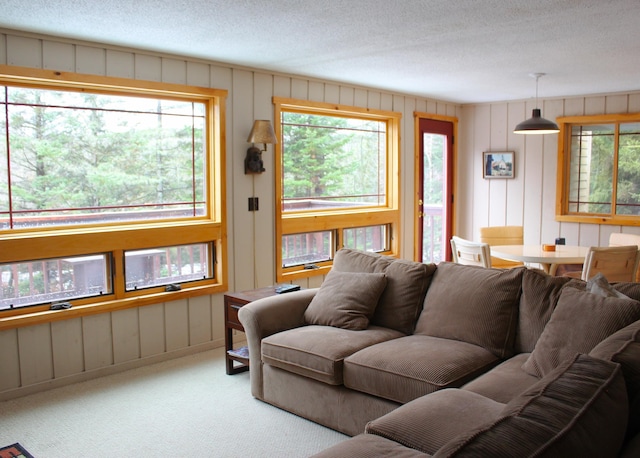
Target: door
{"points": [[435, 189]]}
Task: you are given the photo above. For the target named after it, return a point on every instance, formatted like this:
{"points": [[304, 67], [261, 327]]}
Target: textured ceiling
{"points": [[463, 51]]}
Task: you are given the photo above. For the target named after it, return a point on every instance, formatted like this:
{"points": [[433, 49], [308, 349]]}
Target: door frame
{"points": [[417, 116]]}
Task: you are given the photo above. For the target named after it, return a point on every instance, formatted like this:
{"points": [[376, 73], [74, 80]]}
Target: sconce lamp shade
{"points": [[262, 132], [536, 124]]}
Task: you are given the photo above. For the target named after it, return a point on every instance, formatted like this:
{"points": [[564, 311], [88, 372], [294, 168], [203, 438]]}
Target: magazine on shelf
{"points": [[242, 352]]}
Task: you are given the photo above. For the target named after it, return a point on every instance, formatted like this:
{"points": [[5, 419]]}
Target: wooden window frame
{"points": [[563, 179], [29, 244], [337, 220]]}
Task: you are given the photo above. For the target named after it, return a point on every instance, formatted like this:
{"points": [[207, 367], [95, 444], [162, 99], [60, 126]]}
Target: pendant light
{"points": [[536, 124]]}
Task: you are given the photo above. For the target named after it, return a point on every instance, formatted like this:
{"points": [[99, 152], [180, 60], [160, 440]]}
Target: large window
{"points": [[337, 185], [599, 169], [110, 191]]}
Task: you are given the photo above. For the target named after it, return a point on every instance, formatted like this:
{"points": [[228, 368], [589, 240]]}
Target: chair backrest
{"points": [[502, 235], [620, 239], [617, 263], [470, 253]]}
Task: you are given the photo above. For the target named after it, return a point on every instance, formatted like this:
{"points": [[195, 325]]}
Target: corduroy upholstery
{"points": [[580, 321], [456, 326], [318, 352], [467, 310], [412, 366], [580, 409]]}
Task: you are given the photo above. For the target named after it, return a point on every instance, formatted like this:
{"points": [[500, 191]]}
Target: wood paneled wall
{"points": [[528, 199], [46, 355]]}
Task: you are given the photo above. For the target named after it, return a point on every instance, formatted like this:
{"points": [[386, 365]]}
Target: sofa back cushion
{"points": [[580, 321], [407, 282], [474, 305], [540, 294], [580, 409]]}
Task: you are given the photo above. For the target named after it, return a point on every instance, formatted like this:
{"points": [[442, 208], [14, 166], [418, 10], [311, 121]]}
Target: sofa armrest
{"points": [[268, 316]]}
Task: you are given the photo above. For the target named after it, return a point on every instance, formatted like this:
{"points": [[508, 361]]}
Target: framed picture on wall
{"points": [[498, 164]]}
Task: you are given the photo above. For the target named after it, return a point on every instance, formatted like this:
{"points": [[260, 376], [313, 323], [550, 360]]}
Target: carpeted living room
{"points": [[225, 228], [183, 407]]}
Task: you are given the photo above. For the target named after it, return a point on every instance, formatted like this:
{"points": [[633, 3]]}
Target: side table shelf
{"points": [[237, 360]]}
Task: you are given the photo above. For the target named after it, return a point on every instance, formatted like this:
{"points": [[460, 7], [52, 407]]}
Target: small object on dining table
{"points": [[546, 247]]}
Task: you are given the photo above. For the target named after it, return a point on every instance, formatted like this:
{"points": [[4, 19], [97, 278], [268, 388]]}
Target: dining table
{"points": [[535, 254]]}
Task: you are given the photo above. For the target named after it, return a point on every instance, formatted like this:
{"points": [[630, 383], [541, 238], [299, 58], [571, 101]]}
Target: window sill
{"points": [[48, 316]]}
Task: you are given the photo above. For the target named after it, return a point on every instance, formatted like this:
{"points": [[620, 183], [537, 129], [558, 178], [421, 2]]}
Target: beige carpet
{"points": [[187, 407]]}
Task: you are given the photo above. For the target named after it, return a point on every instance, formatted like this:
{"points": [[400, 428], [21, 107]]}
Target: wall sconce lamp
{"points": [[536, 124], [261, 132]]}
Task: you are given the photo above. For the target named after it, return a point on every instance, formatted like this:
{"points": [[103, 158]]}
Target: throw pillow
{"points": [[407, 283], [580, 409], [474, 305], [579, 322], [346, 300]]}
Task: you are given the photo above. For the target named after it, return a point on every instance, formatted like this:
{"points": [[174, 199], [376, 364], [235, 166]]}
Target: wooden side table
{"points": [[232, 303]]}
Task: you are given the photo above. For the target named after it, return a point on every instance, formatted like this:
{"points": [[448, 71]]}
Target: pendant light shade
{"points": [[536, 124]]}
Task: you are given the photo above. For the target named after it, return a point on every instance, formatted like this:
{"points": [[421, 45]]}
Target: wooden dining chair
{"points": [[502, 235], [470, 253], [621, 239], [617, 263]]}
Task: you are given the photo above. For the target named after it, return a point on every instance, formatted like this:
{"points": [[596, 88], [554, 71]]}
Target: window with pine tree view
{"points": [[337, 185], [601, 168], [112, 188]]}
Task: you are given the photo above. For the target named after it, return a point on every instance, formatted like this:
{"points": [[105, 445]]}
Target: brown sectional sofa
{"points": [[451, 360]]}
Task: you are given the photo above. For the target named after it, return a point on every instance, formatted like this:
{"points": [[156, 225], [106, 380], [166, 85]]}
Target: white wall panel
{"points": [[67, 347], [244, 275], [217, 319], [177, 324], [148, 67], [331, 93], [91, 60], [97, 341], [9, 360], [152, 330], [120, 64], [299, 88], [126, 335], [58, 56], [36, 363], [515, 187], [360, 97], [198, 74], [24, 51], [263, 185], [174, 71], [3, 49], [199, 320]]}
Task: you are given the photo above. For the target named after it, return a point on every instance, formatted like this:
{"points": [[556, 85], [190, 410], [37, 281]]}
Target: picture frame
{"points": [[498, 164]]}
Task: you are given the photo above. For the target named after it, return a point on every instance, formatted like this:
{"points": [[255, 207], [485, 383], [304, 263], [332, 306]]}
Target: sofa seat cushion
{"points": [[369, 446], [404, 369], [505, 381], [580, 409], [407, 283], [474, 305], [580, 321], [429, 422], [318, 352]]}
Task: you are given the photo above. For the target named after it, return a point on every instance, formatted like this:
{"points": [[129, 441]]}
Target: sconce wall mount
{"points": [[261, 132]]}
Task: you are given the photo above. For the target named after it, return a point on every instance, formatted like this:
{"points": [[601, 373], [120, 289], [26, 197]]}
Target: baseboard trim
{"points": [[108, 370]]}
